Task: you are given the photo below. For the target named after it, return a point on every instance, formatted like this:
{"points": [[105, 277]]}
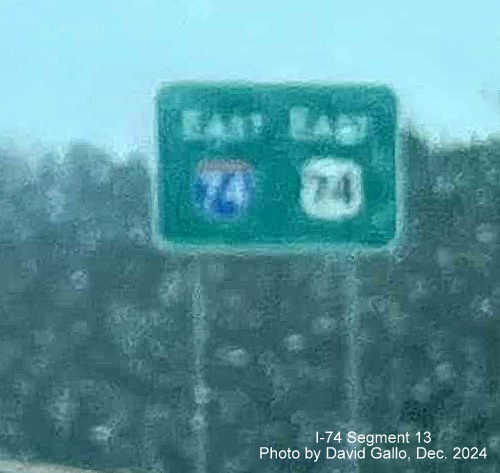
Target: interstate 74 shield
{"points": [[223, 188], [268, 166]]}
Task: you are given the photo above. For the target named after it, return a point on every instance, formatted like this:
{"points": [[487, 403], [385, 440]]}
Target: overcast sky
{"points": [[89, 69]]}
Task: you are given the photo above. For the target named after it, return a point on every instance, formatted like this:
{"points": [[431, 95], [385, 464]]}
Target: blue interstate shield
{"points": [[224, 188]]}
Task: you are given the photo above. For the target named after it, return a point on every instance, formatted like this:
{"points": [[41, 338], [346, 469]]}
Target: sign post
{"points": [[276, 168], [352, 292], [200, 341]]}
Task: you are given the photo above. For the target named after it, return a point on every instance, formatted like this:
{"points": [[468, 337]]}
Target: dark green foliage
{"points": [[96, 333], [75, 250]]}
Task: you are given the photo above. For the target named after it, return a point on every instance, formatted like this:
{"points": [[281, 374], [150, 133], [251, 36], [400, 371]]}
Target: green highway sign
{"points": [[274, 166]]}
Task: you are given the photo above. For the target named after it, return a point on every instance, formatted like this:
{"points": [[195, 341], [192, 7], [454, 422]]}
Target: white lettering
{"points": [[351, 130], [347, 130], [212, 180], [281, 454], [376, 452], [331, 452], [220, 128], [257, 123], [352, 438], [298, 123], [191, 127], [237, 127], [332, 189], [311, 454], [216, 128], [235, 191]]}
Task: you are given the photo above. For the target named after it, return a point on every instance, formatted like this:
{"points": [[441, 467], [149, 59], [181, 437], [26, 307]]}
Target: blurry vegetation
{"points": [[77, 252], [75, 246]]}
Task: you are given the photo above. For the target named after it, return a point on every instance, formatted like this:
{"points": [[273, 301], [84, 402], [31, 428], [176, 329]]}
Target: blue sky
{"points": [[75, 69]]}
